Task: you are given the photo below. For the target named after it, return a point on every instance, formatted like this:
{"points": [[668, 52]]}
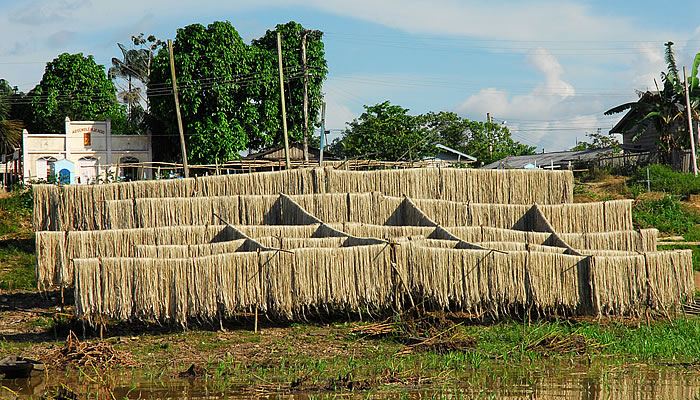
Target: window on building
{"points": [[129, 173], [45, 167], [87, 170]]}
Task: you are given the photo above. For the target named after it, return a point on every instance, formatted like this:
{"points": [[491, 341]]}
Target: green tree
{"points": [[212, 67], [229, 90], [598, 141], [73, 86], [316, 68], [487, 141], [387, 132]]}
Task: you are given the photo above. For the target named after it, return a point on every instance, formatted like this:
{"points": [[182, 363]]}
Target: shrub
{"points": [[668, 181]]}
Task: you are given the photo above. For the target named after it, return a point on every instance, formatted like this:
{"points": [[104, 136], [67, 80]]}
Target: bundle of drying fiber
{"points": [[637, 241], [104, 288], [441, 243], [466, 233], [412, 215], [386, 181], [487, 234], [539, 187], [122, 243], [150, 213], [88, 290], [337, 279], [122, 214], [373, 208], [45, 207], [437, 243], [170, 290], [256, 210], [609, 216], [558, 283], [618, 284], [504, 246], [298, 243], [81, 210], [327, 207], [382, 231], [157, 188], [473, 281], [516, 187], [295, 181], [613, 253], [618, 215], [241, 280], [293, 214], [576, 217], [287, 231], [547, 249], [505, 216], [195, 250], [51, 257], [443, 212], [670, 278]]}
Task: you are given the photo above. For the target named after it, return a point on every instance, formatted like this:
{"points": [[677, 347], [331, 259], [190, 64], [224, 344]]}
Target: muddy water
{"points": [[629, 382]]}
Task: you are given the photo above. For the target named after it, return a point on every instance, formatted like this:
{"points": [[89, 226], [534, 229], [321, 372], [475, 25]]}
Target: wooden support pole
{"points": [[306, 96], [693, 158], [284, 111], [323, 131], [177, 110]]}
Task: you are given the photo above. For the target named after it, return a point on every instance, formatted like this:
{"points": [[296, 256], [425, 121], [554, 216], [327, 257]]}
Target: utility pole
{"points": [[177, 110], [323, 131], [306, 96], [488, 132], [284, 111], [693, 158]]}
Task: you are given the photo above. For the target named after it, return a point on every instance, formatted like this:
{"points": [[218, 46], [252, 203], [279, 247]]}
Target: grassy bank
{"points": [[341, 357], [16, 242]]}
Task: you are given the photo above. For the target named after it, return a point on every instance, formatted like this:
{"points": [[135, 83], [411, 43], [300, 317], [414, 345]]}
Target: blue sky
{"points": [[547, 68]]}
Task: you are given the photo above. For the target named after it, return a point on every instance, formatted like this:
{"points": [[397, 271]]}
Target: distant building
{"points": [[90, 148], [647, 135], [451, 155], [554, 160]]}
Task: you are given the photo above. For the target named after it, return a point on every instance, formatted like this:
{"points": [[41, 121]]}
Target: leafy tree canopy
{"points": [[598, 141], [388, 132], [229, 90], [487, 141], [73, 86]]}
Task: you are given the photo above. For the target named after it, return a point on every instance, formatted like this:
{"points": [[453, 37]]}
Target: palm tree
{"points": [[10, 130], [662, 110], [133, 66]]}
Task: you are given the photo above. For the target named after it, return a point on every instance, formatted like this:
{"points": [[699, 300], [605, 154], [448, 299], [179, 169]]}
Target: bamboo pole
{"points": [[177, 110], [690, 123], [284, 111]]}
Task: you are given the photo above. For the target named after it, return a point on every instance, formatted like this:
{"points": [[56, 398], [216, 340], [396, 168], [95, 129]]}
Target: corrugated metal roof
{"points": [[557, 158]]}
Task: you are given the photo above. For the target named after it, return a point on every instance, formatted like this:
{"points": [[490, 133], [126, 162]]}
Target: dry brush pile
{"points": [[300, 242]]}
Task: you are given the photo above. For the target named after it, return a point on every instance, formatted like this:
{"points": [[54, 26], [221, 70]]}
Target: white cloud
{"points": [[551, 116], [540, 101]]}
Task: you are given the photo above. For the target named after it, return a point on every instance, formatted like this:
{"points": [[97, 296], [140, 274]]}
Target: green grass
{"points": [[16, 244], [668, 215], [16, 269], [667, 181]]}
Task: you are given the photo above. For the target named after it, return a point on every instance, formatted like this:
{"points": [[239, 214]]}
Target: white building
{"points": [[91, 149]]}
